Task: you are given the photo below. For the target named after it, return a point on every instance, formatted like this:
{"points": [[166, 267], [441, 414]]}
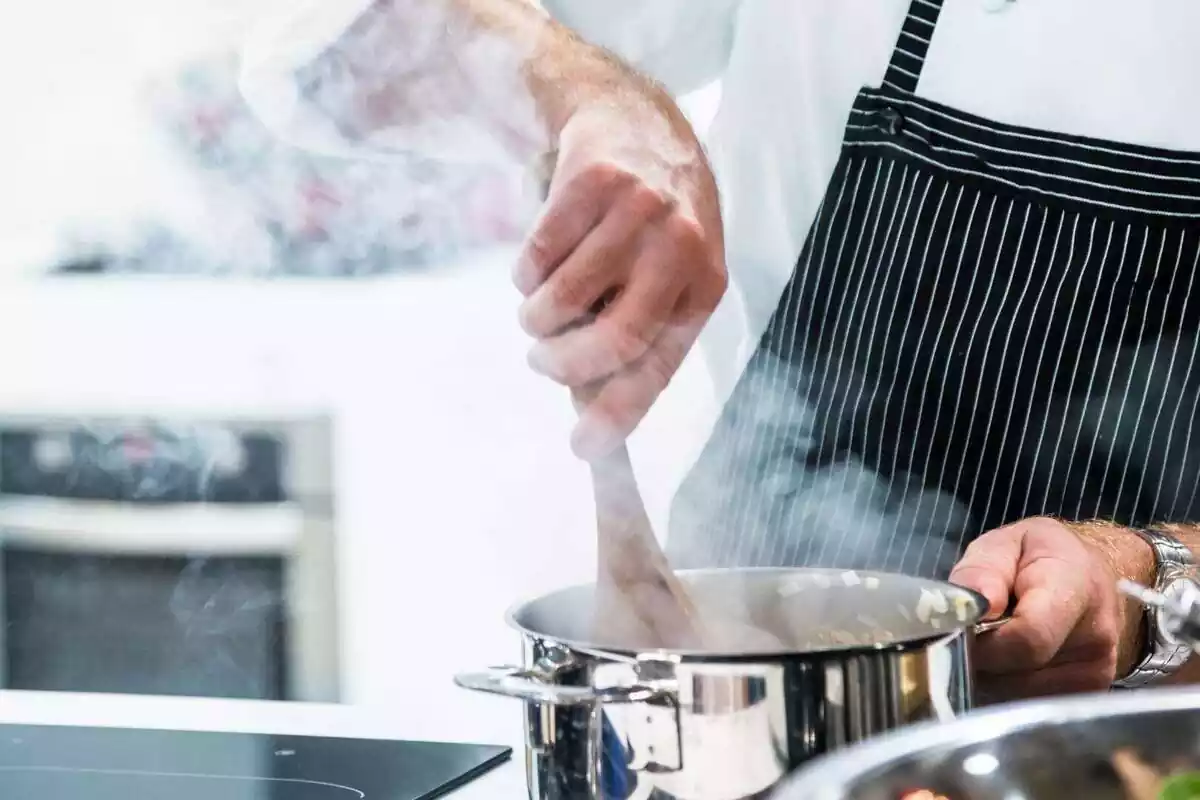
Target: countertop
{"points": [[506, 782]]}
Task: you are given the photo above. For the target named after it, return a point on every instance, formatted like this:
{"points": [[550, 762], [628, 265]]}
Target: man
{"points": [[972, 225]]}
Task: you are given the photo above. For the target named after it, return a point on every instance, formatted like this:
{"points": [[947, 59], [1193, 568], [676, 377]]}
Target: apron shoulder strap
{"points": [[904, 70]]}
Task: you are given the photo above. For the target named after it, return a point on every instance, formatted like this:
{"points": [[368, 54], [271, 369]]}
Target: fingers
{"points": [[564, 222], [1045, 566], [634, 235], [1079, 673], [989, 566], [620, 226], [662, 271], [1065, 632], [1044, 618], [1066, 678], [618, 404], [572, 209], [603, 261], [610, 418], [619, 336]]}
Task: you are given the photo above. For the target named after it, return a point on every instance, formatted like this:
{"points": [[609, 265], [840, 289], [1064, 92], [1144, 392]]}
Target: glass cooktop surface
{"points": [[62, 763]]}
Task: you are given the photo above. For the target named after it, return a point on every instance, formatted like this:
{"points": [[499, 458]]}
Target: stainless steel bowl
{"points": [[1063, 749]]}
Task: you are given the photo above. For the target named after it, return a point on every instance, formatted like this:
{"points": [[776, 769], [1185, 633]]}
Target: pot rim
{"points": [[833, 651], [832, 776]]}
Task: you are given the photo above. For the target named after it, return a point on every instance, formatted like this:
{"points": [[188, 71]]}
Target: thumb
{"points": [[989, 566]]}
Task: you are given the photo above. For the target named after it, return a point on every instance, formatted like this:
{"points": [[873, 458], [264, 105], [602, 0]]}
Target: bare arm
{"points": [[1133, 559]]}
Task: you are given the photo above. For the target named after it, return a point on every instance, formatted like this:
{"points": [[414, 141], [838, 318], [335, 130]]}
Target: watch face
{"points": [[1180, 593]]}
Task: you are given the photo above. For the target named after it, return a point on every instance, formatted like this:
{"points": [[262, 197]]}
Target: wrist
{"points": [[594, 83], [1126, 555]]}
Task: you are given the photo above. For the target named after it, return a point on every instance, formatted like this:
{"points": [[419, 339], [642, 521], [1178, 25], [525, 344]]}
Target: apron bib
{"points": [[986, 323]]}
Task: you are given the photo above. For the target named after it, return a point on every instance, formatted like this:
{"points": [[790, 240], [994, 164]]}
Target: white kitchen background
{"points": [[455, 492]]}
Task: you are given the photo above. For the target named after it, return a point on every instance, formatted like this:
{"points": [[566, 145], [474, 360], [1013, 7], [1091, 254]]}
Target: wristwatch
{"points": [[1164, 653]]}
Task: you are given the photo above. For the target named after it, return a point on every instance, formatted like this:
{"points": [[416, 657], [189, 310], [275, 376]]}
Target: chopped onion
{"points": [[962, 607], [931, 602]]}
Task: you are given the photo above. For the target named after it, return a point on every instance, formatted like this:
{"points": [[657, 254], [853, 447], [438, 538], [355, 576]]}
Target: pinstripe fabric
{"points": [[908, 58], [986, 323]]}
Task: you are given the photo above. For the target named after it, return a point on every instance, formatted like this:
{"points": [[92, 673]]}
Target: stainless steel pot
{"points": [[1112, 746], [858, 653]]}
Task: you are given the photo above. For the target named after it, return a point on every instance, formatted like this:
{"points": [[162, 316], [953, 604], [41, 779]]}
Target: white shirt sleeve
{"points": [[684, 44]]}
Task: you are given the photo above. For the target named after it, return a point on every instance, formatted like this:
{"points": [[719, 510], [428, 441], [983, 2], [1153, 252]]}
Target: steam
{"points": [[379, 79], [213, 606], [346, 139], [757, 497]]}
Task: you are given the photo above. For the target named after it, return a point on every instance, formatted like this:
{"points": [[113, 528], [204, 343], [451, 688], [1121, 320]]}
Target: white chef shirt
{"points": [[1123, 71]]}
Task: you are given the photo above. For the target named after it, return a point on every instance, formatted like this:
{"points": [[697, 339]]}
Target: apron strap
{"points": [[904, 70]]}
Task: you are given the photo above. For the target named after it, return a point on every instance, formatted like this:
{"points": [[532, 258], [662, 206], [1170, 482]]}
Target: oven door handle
{"points": [[86, 526]]}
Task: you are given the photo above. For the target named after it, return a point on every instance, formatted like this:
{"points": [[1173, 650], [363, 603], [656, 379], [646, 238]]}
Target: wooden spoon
{"points": [[639, 599]]}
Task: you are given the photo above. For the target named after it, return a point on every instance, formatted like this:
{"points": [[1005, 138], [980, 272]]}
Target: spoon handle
{"points": [[633, 571]]}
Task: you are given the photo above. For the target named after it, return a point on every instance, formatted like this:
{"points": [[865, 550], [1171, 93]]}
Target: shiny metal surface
{"points": [[718, 725], [991, 625], [1163, 654], [1177, 609], [1045, 750]]}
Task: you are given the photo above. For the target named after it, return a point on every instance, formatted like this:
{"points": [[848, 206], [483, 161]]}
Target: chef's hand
{"points": [[631, 217], [1070, 632]]}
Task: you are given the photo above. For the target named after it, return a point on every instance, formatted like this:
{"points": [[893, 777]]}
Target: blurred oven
{"points": [[169, 556]]}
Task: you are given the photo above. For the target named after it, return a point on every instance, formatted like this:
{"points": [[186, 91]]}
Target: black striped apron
{"points": [[986, 323]]}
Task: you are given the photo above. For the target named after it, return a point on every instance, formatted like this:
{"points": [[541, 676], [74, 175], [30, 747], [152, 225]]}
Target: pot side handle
{"points": [[939, 671], [529, 685], [990, 625]]}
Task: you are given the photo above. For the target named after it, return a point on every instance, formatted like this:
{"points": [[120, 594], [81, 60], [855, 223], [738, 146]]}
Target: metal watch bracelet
{"points": [[1163, 655]]}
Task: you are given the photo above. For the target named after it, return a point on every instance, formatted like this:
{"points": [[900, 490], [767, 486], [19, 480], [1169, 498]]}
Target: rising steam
{"points": [[758, 498], [372, 80]]}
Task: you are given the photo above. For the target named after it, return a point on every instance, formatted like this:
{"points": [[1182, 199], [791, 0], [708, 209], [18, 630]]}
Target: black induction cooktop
{"points": [[64, 763]]}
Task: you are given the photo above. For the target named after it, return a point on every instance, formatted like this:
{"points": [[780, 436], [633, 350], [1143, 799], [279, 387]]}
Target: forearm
{"points": [[423, 70], [1133, 559], [561, 72]]}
